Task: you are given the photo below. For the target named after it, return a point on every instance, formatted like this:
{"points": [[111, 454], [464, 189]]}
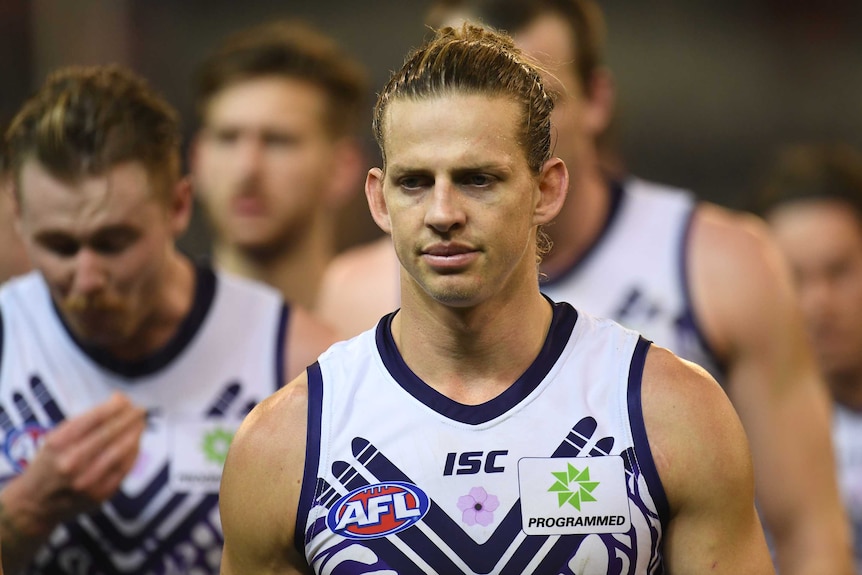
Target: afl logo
{"points": [[22, 444], [378, 510]]}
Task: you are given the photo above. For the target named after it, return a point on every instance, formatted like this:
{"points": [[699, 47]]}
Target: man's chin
{"points": [[98, 333]]}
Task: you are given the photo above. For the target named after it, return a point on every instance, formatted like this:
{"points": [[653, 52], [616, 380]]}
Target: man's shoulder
{"points": [[358, 261], [728, 228], [684, 410], [25, 292]]}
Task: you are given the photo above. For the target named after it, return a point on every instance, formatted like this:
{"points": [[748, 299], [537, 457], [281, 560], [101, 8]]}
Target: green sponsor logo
{"points": [[573, 487], [216, 444]]}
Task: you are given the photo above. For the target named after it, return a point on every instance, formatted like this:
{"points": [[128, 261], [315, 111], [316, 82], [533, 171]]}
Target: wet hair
{"points": [[474, 60], [288, 49], [85, 120], [584, 18], [812, 172]]}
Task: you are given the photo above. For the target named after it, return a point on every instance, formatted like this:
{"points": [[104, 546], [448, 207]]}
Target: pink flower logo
{"points": [[478, 507]]}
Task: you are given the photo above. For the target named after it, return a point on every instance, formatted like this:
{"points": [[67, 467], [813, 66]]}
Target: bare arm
{"points": [[703, 460], [744, 297], [81, 464], [261, 484]]}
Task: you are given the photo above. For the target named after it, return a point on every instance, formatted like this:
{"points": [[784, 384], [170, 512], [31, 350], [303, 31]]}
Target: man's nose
{"points": [[444, 207], [90, 273]]}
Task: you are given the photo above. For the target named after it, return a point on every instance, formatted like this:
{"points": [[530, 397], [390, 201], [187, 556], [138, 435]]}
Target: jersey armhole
{"points": [[309, 487], [690, 317], [280, 339], [642, 452]]}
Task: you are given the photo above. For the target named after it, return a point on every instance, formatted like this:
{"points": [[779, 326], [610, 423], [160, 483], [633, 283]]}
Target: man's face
{"points": [[822, 240], [459, 195], [549, 41], [101, 243], [264, 161]]}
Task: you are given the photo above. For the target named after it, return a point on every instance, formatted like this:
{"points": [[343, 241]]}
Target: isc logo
{"points": [[377, 510]]}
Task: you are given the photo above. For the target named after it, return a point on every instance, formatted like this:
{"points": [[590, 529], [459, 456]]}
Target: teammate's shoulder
{"points": [[29, 287], [358, 260], [719, 232]]}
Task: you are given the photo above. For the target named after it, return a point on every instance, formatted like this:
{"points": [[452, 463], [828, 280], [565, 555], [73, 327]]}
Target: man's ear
{"points": [[180, 208], [553, 186], [348, 163], [600, 101], [376, 200]]}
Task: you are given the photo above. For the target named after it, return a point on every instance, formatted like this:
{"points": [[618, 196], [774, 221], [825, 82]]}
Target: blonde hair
{"points": [[84, 120], [474, 60]]}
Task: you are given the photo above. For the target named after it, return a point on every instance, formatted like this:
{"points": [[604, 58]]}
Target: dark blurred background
{"points": [[707, 89]]}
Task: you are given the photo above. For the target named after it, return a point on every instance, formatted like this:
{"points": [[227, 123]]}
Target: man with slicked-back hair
{"points": [[483, 428]]}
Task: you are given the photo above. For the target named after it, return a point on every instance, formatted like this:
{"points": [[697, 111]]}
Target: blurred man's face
{"points": [[264, 161], [549, 41], [102, 244], [822, 240]]}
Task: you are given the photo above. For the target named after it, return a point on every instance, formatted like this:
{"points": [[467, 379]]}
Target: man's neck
{"points": [[295, 269], [580, 221], [471, 355]]}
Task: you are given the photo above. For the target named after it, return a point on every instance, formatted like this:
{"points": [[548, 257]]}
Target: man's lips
{"points": [[248, 205], [448, 256]]}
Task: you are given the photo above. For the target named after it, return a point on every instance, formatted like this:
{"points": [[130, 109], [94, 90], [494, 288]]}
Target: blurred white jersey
{"points": [[553, 476], [226, 356], [635, 272], [847, 436]]}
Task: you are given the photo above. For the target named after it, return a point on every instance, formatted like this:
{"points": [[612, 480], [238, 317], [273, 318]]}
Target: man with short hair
{"points": [[277, 153], [125, 368], [483, 428]]}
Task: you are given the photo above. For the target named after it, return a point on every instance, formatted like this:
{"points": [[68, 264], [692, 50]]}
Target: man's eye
{"points": [[413, 182], [224, 137], [274, 139], [114, 243], [61, 247], [478, 180]]}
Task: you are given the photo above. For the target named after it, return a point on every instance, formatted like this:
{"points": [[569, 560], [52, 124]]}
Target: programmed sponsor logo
{"points": [[378, 510], [573, 495]]}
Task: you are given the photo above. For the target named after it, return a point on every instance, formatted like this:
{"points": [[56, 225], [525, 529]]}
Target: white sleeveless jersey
{"points": [[226, 356], [552, 476], [635, 272], [847, 436]]}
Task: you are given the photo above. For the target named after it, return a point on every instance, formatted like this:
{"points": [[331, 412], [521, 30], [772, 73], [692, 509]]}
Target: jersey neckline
{"points": [[204, 294], [559, 333]]}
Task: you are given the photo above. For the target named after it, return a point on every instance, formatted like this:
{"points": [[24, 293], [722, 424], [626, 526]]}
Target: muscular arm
{"points": [[743, 295], [705, 467], [260, 486]]}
